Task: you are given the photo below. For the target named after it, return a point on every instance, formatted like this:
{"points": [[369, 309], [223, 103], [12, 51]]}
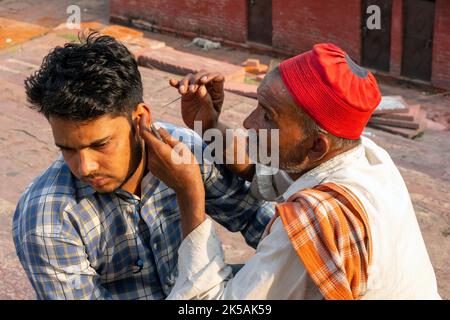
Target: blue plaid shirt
{"points": [[75, 243]]}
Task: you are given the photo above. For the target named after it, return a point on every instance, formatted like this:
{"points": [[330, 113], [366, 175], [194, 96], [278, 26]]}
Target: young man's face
{"points": [[103, 152]]}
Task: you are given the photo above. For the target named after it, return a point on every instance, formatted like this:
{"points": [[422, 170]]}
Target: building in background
{"points": [[413, 42]]}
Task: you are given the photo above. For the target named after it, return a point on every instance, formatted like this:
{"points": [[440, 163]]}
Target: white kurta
{"points": [[400, 269]]}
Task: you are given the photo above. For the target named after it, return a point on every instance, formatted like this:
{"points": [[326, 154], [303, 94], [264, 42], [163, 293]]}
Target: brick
{"points": [[251, 63], [262, 68]]}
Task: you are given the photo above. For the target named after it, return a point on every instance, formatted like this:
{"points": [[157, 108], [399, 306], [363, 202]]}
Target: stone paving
{"points": [[26, 143]]}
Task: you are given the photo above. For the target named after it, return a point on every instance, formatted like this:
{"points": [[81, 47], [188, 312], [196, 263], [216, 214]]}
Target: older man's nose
{"points": [[249, 122]]}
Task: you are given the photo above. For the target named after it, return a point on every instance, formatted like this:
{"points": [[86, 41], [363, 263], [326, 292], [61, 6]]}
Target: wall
{"points": [[217, 18], [396, 37], [299, 24], [440, 74]]}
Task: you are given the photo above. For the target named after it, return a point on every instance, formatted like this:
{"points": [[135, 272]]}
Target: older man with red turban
{"points": [[344, 226]]}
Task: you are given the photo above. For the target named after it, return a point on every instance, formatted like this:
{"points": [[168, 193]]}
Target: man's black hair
{"points": [[82, 81]]}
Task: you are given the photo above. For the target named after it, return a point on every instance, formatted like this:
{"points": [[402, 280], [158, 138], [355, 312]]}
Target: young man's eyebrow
{"points": [[92, 144]]}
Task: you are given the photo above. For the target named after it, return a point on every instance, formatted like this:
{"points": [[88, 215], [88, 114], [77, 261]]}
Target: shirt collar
{"points": [[83, 189], [317, 175]]}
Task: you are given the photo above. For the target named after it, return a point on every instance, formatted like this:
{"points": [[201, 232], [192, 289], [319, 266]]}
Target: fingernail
{"points": [[182, 88], [191, 88], [204, 78], [156, 126]]}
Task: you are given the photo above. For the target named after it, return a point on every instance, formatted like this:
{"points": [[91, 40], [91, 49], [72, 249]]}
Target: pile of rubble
{"points": [[395, 115]]}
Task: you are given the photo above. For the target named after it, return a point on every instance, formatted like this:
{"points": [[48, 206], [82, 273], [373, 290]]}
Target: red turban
{"points": [[332, 89]]}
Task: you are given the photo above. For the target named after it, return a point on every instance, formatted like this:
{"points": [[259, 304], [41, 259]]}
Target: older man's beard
{"points": [[293, 160]]}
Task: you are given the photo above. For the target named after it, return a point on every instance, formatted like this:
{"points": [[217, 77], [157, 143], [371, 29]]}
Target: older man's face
{"points": [[277, 110]]}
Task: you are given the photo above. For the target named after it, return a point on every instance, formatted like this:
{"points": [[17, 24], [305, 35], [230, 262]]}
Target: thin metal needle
{"points": [[171, 102], [152, 126]]}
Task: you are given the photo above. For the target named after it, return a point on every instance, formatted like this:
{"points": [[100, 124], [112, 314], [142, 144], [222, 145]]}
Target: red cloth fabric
{"points": [[337, 93]]}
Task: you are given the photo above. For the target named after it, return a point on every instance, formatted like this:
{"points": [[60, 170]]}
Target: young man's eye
{"points": [[101, 145]]}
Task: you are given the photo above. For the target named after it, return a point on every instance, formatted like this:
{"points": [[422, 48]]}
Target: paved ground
{"points": [[26, 145]]}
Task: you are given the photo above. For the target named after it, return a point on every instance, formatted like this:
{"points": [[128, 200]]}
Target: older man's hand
{"points": [[202, 98]]}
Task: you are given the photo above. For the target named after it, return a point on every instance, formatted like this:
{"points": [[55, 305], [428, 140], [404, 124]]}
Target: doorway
{"points": [[260, 21], [418, 29], [376, 43]]}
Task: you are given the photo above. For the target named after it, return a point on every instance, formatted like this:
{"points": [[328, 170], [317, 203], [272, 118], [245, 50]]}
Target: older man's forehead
{"points": [[273, 88]]}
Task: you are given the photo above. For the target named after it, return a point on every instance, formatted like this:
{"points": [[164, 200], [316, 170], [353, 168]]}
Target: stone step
{"points": [[182, 63]]}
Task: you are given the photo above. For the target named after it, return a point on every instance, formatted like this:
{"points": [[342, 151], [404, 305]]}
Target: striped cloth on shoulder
{"points": [[328, 228]]}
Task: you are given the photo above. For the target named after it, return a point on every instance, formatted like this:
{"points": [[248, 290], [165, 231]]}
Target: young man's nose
{"points": [[86, 164]]}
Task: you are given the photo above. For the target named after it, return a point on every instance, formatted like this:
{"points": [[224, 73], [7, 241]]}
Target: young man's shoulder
{"points": [[41, 204]]}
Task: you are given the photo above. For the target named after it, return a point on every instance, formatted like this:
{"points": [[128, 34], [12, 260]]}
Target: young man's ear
{"points": [[138, 112]]}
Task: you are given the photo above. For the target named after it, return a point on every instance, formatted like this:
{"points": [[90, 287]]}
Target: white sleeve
{"points": [[274, 272]]}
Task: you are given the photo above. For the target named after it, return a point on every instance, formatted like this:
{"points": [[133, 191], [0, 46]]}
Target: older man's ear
{"points": [[320, 147]]}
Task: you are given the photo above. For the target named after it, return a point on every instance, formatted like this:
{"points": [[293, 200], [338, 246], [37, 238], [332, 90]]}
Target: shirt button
{"points": [[140, 263]]}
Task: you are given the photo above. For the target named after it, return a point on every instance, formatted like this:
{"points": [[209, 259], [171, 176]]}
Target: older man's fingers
{"points": [[212, 77], [215, 80], [192, 82], [174, 83], [183, 87], [196, 79]]}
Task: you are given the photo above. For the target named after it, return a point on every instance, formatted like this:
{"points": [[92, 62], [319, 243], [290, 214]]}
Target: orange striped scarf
{"points": [[328, 227]]}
